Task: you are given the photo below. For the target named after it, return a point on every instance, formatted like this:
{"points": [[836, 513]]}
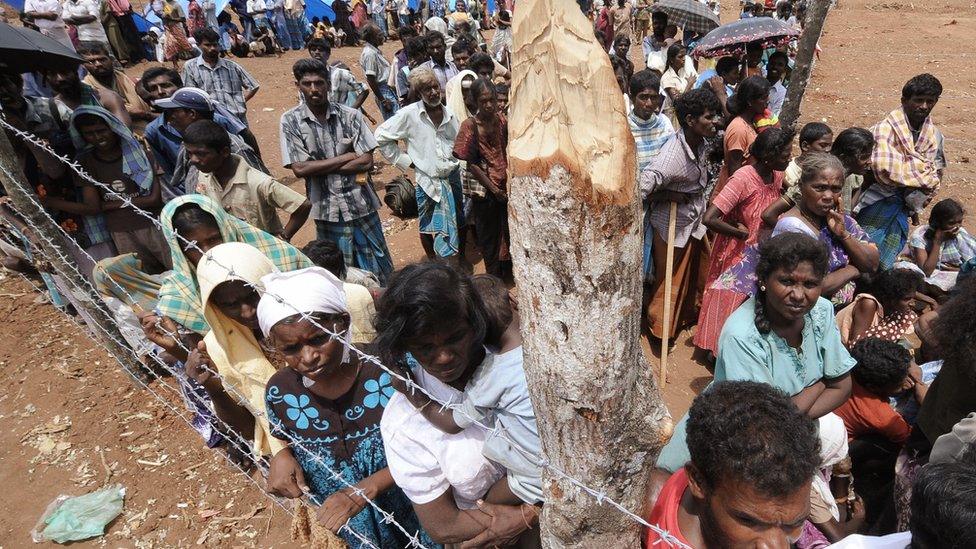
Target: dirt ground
{"points": [[71, 421]]}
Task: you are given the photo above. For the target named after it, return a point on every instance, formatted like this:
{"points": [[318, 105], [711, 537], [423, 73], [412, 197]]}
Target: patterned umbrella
{"points": [[731, 39], [690, 15]]}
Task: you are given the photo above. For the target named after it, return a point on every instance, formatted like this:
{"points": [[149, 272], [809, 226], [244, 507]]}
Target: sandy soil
{"points": [[67, 404]]}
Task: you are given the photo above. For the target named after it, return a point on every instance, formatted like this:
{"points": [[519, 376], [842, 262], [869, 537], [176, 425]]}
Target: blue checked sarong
{"points": [[442, 219], [886, 222], [362, 243]]}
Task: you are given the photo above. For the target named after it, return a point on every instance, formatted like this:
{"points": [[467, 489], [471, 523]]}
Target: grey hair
{"points": [[815, 163], [419, 77]]}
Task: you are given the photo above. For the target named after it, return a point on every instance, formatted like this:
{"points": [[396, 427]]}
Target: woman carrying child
{"points": [[435, 326], [326, 408]]}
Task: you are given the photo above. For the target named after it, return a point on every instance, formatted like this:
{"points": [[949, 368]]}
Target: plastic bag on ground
{"points": [[70, 518]]}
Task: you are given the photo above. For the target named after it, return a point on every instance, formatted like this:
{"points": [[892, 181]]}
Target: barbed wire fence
{"points": [[106, 328]]}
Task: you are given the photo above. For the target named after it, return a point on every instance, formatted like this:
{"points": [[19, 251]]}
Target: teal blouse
{"points": [[744, 354]]}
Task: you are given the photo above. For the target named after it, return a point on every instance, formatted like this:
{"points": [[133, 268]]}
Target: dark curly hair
{"points": [[944, 504], [944, 212], [881, 364], [785, 251], [852, 143], [751, 433], [326, 254], [956, 327], [923, 84], [426, 298], [892, 285], [696, 103], [770, 143]]}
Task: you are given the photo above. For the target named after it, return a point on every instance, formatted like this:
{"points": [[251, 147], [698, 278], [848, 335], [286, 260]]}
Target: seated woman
{"points": [[434, 314], [202, 221], [325, 408], [785, 336], [818, 213], [940, 248], [888, 312]]}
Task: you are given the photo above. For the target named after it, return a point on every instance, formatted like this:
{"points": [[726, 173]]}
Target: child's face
{"points": [[502, 99], [819, 145]]}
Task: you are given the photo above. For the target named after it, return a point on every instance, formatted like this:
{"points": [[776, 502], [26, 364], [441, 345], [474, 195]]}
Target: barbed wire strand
{"points": [[600, 496]]}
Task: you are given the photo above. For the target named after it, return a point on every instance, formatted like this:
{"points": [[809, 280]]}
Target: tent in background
{"points": [[15, 4], [319, 8], [142, 24]]}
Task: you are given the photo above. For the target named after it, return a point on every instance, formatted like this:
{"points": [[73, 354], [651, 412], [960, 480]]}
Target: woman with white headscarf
{"points": [[326, 405]]}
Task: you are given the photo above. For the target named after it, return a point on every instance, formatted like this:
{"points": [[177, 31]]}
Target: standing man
{"points": [[46, 14], [443, 69], [656, 42], [225, 81], [240, 8], [331, 147], [377, 70], [102, 75], [70, 93], [908, 162], [85, 16], [377, 11], [679, 173]]}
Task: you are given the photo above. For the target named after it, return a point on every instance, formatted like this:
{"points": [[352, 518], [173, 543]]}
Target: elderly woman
{"points": [[785, 336], [432, 321], [429, 129], [326, 407], [202, 221]]}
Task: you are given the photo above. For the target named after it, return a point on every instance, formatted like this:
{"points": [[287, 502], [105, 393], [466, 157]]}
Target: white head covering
{"points": [[310, 290], [436, 24], [454, 94], [833, 449]]}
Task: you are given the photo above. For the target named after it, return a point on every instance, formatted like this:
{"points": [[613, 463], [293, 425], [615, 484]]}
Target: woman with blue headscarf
{"points": [[127, 179]]}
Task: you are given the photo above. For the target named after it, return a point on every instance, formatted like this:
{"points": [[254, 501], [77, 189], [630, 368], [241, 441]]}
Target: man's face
{"points": [[180, 118], [461, 59], [316, 51], [437, 50], [315, 89], [647, 102], [204, 158], [735, 515], [431, 94], [64, 81], [658, 24], [161, 87], [776, 69], [622, 48], [705, 125], [98, 64], [210, 50], [918, 108], [100, 136], [11, 93]]}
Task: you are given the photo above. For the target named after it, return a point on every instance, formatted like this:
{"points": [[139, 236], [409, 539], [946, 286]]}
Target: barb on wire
{"points": [[600, 496]]}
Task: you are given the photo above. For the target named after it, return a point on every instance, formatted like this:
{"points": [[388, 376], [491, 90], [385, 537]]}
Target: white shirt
{"points": [[777, 95], [429, 149], [900, 540], [426, 461], [44, 6], [88, 32], [256, 7]]}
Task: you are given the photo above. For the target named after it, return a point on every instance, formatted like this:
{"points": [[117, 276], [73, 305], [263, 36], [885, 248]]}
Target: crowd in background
{"points": [[840, 338]]}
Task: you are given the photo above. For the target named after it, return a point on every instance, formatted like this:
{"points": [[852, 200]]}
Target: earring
{"points": [[762, 288]]}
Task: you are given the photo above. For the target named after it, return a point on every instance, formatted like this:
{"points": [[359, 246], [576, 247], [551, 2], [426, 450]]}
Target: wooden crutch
{"points": [[668, 273]]}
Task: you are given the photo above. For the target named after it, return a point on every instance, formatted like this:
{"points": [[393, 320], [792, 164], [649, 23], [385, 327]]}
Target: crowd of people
{"points": [[840, 339]]}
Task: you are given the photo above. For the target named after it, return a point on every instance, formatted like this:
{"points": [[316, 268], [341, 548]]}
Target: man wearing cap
{"points": [[224, 80], [185, 107]]}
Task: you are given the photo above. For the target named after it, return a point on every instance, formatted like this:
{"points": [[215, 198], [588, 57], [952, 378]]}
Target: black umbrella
{"points": [[25, 50], [690, 15], [731, 38]]}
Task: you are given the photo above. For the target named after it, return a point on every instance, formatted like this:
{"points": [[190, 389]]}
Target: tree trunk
{"points": [[576, 246], [813, 25], [53, 248]]}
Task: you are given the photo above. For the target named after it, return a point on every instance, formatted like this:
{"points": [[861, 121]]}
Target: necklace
{"points": [[815, 222]]}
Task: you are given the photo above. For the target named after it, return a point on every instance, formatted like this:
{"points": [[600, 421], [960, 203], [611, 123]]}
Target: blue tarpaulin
{"points": [[16, 4], [319, 8]]}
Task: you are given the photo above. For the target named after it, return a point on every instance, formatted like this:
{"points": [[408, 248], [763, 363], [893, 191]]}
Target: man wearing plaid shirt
{"points": [[331, 147], [226, 82]]}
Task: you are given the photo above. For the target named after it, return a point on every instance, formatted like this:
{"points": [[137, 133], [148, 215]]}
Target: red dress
{"points": [[665, 512], [742, 200]]}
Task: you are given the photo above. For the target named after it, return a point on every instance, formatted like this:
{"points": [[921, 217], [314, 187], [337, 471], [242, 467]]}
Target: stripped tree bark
{"points": [[576, 246], [54, 249], [803, 66]]}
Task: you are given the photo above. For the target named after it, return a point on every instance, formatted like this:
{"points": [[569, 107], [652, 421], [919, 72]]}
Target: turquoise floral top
{"points": [[744, 354], [342, 437]]}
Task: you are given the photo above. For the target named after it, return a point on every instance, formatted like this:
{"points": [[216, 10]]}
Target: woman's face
{"points": [[309, 350], [205, 237], [822, 194], [622, 48], [100, 136], [792, 293], [447, 352], [953, 225], [487, 105], [678, 61], [238, 301]]}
